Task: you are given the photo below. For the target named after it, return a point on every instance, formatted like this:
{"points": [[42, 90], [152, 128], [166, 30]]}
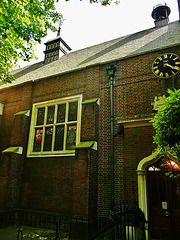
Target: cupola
{"points": [[55, 47], [160, 14]]}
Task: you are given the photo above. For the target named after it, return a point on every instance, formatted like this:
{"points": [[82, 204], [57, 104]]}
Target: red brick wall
{"points": [[134, 91], [137, 144], [77, 185], [56, 184], [89, 125], [15, 99], [4, 177], [93, 183], [60, 183]]}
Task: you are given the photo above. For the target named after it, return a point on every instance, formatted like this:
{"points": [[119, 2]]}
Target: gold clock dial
{"points": [[166, 65]]}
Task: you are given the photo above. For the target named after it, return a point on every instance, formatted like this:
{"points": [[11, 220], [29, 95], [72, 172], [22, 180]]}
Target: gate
{"points": [[127, 223]]}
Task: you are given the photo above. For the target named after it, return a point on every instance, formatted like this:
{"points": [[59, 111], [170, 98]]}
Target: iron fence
{"points": [[44, 220], [126, 222]]}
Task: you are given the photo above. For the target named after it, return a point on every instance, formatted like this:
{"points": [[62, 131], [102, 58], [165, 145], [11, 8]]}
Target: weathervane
{"points": [[60, 24]]}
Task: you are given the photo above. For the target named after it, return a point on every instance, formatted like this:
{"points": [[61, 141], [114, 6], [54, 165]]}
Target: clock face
{"points": [[166, 66]]}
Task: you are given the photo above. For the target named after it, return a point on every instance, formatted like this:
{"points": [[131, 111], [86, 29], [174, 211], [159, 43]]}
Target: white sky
{"points": [[90, 24]]}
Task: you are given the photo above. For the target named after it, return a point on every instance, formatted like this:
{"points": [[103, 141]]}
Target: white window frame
{"points": [[33, 126]]}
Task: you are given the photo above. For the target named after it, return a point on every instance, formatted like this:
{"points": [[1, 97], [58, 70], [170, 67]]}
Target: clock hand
{"points": [[176, 67]]}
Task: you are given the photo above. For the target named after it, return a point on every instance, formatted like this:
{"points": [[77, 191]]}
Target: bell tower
{"points": [[56, 46], [160, 14]]}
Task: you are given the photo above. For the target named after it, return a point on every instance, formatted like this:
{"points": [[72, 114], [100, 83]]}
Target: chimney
{"points": [[160, 14]]}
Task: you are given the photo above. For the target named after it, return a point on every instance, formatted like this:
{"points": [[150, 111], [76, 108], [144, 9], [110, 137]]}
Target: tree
{"points": [[167, 125], [103, 2], [23, 23]]}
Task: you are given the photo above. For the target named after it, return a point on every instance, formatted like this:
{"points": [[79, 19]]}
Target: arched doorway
{"points": [[159, 197]]}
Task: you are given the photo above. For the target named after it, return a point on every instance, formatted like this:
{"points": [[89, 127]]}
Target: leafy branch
{"points": [[167, 125]]}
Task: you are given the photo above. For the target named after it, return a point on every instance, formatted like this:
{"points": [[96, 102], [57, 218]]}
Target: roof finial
{"points": [[60, 24]]}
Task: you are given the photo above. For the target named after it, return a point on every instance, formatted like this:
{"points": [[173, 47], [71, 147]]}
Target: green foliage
{"points": [[39, 234], [104, 2], [22, 24], [167, 125]]}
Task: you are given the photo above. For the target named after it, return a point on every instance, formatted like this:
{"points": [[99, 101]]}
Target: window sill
{"points": [[41, 155]]}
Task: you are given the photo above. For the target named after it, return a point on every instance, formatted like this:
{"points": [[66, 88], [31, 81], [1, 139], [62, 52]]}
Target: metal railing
{"points": [[38, 219], [126, 222]]}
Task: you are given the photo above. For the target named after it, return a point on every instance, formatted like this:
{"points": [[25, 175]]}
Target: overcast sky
{"points": [[90, 24]]}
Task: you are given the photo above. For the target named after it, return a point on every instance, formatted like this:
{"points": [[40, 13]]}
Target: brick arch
{"points": [[143, 165], [142, 187]]}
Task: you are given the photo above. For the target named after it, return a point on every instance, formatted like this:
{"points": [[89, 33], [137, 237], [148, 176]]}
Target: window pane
{"points": [[48, 139], [72, 116], [38, 139], [40, 116], [61, 113], [50, 115], [71, 137], [59, 138]]}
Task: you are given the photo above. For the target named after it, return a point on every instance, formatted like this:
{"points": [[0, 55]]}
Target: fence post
{"points": [[57, 234], [20, 230]]}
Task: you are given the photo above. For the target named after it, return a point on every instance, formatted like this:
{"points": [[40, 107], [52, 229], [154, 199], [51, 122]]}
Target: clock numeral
{"points": [[177, 63], [155, 67], [165, 56], [156, 72], [160, 58], [161, 74], [166, 75], [175, 58]]}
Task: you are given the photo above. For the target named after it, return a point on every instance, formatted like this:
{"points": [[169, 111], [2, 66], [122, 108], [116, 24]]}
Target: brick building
{"points": [[56, 135]]}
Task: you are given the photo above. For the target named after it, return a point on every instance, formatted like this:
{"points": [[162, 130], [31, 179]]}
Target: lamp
{"points": [[111, 71]]}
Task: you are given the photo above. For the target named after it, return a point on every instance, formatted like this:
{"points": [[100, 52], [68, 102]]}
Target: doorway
{"points": [[164, 201]]}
